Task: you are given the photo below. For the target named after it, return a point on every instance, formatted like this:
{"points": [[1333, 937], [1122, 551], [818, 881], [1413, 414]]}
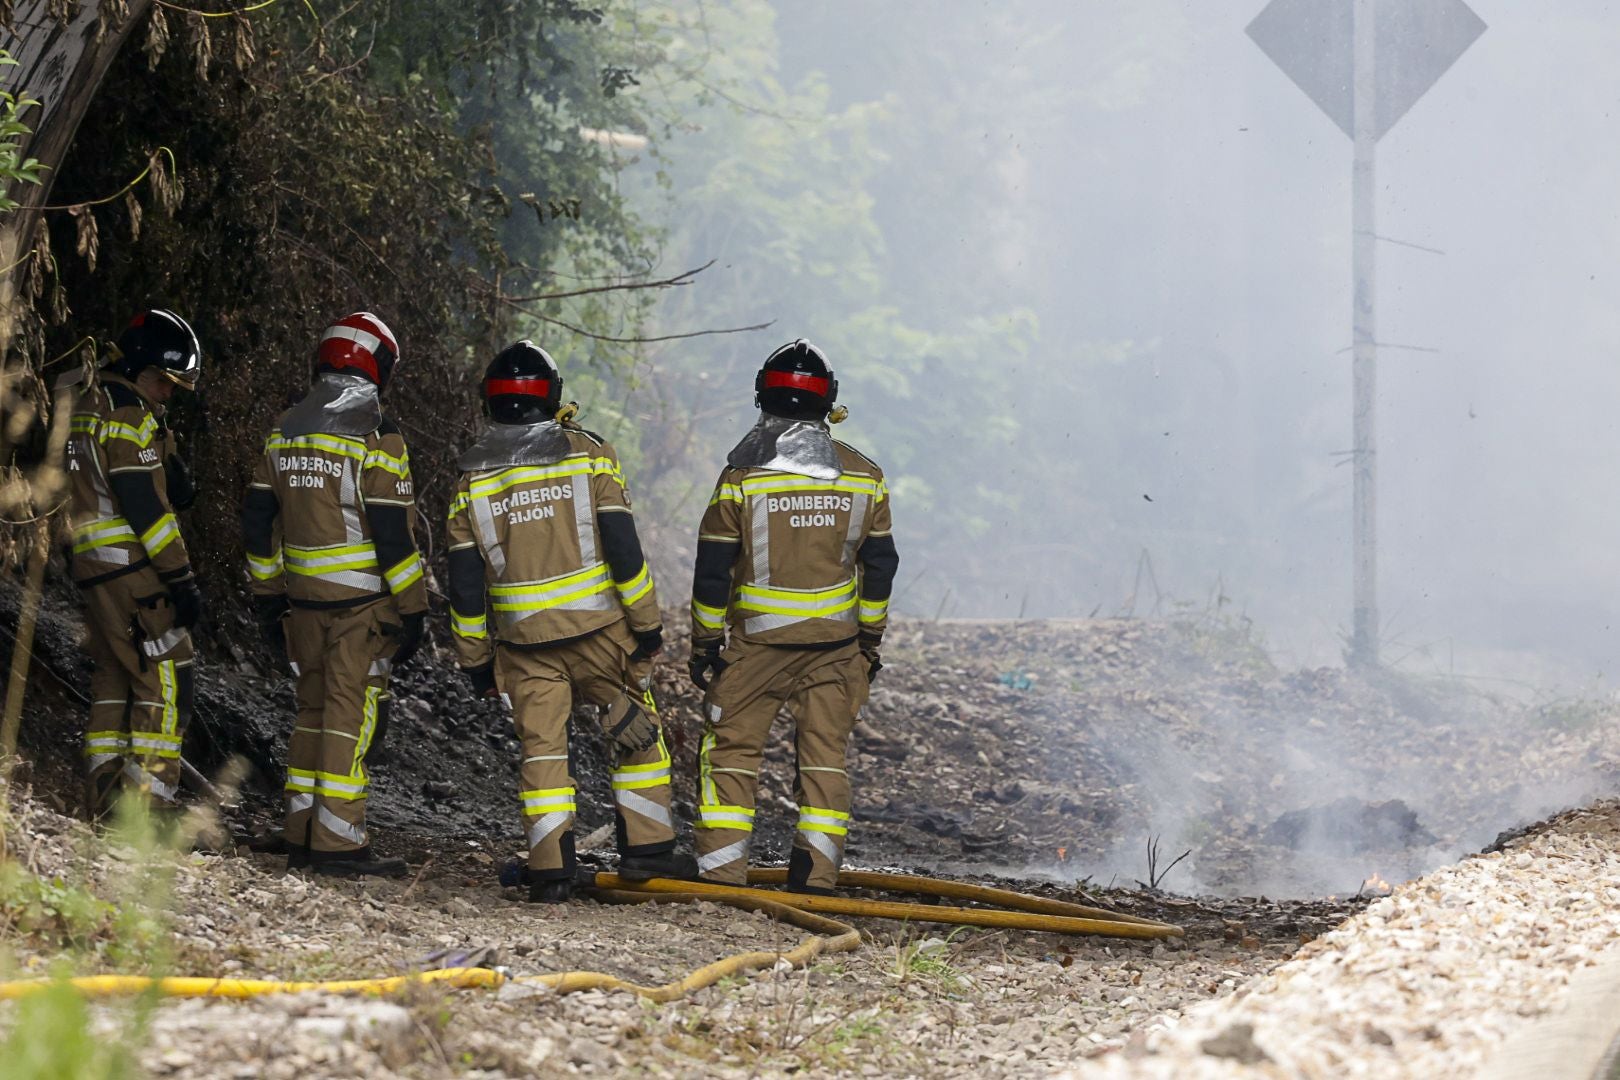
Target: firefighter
{"points": [[551, 596], [141, 598], [795, 555], [329, 523]]}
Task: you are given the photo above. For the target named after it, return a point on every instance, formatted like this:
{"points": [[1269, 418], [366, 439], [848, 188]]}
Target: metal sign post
{"points": [[1365, 63]]}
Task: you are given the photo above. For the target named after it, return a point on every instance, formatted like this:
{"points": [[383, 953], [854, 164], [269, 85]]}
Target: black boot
{"points": [[551, 892], [677, 865], [361, 863], [798, 878]]}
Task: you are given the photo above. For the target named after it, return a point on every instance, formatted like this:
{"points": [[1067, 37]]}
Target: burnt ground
{"points": [[1046, 750]]}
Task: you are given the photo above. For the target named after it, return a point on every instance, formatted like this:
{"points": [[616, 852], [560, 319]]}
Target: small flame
{"points": [[1063, 854], [1376, 886]]}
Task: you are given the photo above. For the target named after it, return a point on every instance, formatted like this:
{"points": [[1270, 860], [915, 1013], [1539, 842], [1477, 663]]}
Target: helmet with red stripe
{"points": [[522, 385], [796, 383], [360, 344]]}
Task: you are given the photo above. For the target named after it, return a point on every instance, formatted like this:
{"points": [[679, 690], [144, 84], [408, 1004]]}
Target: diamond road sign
{"points": [[1416, 41]]}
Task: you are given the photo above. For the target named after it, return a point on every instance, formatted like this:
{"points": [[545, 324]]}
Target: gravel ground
{"points": [[912, 1000], [1425, 983]]}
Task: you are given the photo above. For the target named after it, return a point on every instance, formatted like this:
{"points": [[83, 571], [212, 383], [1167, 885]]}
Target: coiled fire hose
{"points": [[827, 935]]}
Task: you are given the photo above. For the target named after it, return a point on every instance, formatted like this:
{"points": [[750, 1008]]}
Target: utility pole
{"points": [[1364, 63], [1364, 323]]}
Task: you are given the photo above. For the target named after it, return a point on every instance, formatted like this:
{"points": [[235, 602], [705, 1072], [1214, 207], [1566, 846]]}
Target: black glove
{"points": [[705, 663], [874, 661], [632, 729], [182, 487], [187, 601], [410, 638], [270, 611], [648, 642], [482, 680]]}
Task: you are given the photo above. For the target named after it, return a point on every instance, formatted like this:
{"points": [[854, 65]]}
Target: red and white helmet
{"points": [[360, 343]]}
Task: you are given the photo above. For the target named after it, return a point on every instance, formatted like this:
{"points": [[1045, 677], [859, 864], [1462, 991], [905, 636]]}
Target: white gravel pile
{"points": [[1426, 983]]}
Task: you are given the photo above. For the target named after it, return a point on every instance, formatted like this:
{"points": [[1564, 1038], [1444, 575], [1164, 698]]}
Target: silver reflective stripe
{"points": [[824, 844], [164, 642], [96, 761], [380, 667], [636, 803], [548, 825], [584, 518], [857, 519], [354, 834], [299, 801], [709, 817], [354, 579], [350, 495], [761, 623], [728, 854], [166, 792], [484, 526], [294, 665], [762, 540]]}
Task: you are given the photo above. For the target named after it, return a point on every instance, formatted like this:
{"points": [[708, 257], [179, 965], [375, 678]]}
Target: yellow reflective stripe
{"points": [[882, 490], [808, 603], [819, 819], [101, 533], [332, 444], [460, 503], [727, 493], [141, 436], [537, 596], [368, 731], [331, 785], [398, 466], [725, 817], [763, 485], [874, 610], [407, 572], [547, 800], [524, 474], [171, 696], [637, 587], [162, 533], [463, 626], [312, 562], [85, 423], [265, 569], [711, 618]]}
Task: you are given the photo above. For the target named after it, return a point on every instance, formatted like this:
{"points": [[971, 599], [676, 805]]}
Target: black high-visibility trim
{"points": [[809, 646], [138, 501], [880, 561], [554, 643], [102, 579], [334, 605], [620, 544], [711, 577], [390, 534], [260, 509]]}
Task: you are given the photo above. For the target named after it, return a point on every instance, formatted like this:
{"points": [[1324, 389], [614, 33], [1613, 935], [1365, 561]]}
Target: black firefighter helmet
{"points": [[797, 383], [522, 385], [158, 338]]}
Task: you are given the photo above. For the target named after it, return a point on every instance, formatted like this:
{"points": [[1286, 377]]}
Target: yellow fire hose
{"points": [[827, 935], [1112, 926]]}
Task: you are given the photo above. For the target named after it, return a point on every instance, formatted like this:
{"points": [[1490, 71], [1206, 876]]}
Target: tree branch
{"points": [[684, 278]]}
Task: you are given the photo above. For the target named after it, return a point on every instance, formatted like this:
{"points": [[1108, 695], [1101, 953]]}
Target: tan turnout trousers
{"points": [[340, 657], [140, 693], [823, 690], [538, 685]]}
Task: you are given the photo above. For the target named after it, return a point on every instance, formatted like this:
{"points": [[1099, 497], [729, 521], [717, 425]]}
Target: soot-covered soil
{"points": [[1048, 749]]}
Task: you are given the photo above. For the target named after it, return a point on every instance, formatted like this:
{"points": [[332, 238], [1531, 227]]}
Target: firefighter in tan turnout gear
{"points": [[328, 525], [126, 481], [550, 596], [795, 554]]}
